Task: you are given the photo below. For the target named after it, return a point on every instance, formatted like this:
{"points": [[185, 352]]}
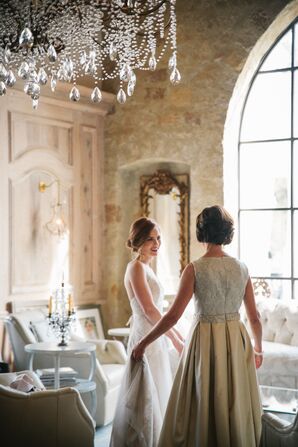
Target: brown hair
{"points": [[139, 232], [215, 225]]}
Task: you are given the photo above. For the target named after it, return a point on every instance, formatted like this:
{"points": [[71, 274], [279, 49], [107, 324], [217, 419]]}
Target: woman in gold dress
{"points": [[215, 398]]}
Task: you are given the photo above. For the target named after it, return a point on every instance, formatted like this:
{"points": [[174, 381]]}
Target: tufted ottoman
{"points": [[280, 342]]}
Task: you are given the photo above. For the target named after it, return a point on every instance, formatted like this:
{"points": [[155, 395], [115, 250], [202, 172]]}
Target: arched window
{"points": [[268, 169]]}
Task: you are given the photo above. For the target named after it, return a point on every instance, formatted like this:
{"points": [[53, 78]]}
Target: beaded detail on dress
{"points": [[235, 316], [219, 285]]}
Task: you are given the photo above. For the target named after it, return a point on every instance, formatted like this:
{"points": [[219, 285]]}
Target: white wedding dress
{"points": [[146, 384]]}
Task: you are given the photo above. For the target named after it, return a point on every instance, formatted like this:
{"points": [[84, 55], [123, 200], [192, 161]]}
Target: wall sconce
{"points": [[57, 225]]}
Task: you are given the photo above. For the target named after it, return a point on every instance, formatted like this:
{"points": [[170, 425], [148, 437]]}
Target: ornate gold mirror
{"points": [[165, 198]]}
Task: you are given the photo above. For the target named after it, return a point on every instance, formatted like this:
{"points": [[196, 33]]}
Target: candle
{"points": [[69, 304], [51, 305]]}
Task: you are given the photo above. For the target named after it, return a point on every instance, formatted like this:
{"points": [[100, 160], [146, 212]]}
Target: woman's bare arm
{"points": [[185, 292], [254, 321], [142, 292]]}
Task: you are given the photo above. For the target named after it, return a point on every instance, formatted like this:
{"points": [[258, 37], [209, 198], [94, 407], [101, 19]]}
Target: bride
{"points": [[146, 385]]}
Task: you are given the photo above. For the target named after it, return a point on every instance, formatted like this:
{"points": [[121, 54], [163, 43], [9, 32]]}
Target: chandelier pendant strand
{"points": [[53, 41]]}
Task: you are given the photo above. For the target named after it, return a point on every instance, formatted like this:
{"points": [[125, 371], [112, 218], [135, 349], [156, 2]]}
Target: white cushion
{"points": [[279, 320], [42, 330], [7, 378], [279, 359], [24, 318], [280, 341], [113, 374], [110, 351]]}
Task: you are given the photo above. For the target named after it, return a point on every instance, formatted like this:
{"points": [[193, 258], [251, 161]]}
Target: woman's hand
{"points": [[258, 358], [138, 351]]}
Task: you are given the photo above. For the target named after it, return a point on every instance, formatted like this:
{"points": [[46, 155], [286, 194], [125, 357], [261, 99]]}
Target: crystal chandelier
{"points": [[50, 41]]}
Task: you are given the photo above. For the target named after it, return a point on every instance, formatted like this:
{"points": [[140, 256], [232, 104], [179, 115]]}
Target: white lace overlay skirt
{"points": [[144, 393]]}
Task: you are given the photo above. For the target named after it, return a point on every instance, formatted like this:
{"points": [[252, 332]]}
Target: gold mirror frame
{"points": [[162, 181]]}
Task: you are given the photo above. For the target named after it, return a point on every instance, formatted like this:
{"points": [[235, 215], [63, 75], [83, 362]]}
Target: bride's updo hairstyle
{"points": [[139, 232], [215, 225]]}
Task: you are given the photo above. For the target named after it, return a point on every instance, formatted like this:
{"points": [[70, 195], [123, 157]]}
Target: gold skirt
{"points": [[215, 399]]}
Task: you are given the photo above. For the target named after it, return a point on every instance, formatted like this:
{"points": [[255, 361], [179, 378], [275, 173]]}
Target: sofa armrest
{"points": [[51, 418], [275, 423], [110, 351], [278, 432]]}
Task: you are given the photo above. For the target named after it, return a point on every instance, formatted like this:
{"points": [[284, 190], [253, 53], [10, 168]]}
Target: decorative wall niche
{"points": [[165, 197]]}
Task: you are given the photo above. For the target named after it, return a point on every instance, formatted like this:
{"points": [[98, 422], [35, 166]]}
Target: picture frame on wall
{"points": [[89, 323]]}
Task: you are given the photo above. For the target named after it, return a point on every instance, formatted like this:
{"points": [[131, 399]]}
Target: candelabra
{"points": [[61, 313]]}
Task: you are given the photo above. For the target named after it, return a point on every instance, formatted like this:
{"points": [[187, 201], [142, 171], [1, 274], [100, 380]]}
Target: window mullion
{"points": [[292, 160]]}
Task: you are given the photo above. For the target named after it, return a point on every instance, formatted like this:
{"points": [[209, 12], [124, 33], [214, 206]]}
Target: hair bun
{"points": [[139, 232], [215, 225]]}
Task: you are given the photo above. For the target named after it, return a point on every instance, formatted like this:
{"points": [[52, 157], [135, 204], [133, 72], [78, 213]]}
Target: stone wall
{"points": [[179, 127]]}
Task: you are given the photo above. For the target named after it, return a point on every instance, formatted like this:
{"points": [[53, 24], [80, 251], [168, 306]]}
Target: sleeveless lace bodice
{"points": [[156, 290], [139, 323], [219, 286]]}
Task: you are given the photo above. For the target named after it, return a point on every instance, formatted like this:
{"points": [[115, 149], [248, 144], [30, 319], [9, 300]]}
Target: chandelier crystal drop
{"points": [[51, 41]]}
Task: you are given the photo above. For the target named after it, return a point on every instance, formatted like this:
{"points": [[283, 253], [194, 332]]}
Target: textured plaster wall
{"points": [[179, 127]]}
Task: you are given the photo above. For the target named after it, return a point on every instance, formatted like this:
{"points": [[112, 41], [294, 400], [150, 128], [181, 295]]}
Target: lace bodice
{"points": [[219, 285], [156, 290], [139, 323]]}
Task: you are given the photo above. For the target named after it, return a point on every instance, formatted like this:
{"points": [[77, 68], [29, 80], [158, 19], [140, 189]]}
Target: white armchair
{"points": [[30, 326], [277, 432], [280, 342], [48, 418]]}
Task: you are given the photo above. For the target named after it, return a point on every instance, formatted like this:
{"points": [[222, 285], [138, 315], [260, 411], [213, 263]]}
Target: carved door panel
{"points": [[39, 149], [56, 142]]}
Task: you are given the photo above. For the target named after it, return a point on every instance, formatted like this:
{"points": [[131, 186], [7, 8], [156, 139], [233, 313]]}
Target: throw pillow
{"points": [[42, 331], [24, 383]]}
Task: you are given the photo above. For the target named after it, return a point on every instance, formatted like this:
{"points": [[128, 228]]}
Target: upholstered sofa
{"points": [[47, 418], [277, 432], [280, 342], [30, 326]]}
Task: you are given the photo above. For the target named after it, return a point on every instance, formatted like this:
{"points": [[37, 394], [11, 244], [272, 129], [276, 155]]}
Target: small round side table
{"points": [[49, 348]]}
